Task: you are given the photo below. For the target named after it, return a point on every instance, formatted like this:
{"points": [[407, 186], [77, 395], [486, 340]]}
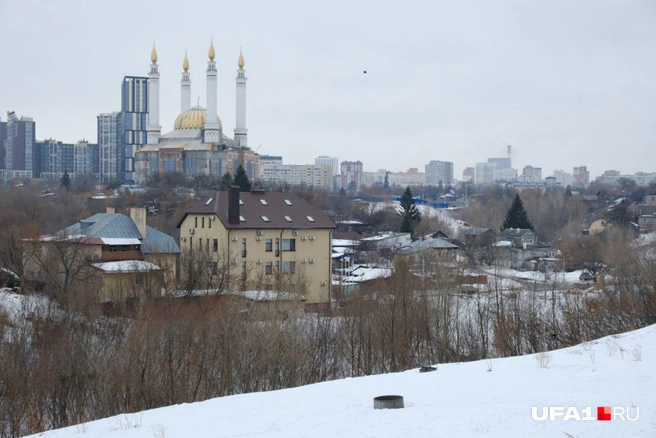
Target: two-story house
{"points": [[270, 241]]}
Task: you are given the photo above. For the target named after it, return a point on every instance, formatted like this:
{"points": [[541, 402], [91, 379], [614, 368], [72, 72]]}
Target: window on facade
{"points": [[268, 268], [213, 267], [277, 246], [289, 244], [216, 245], [268, 245], [202, 222], [243, 247], [288, 267], [207, 246], [139, 279], [191, 243], [196, 222]]}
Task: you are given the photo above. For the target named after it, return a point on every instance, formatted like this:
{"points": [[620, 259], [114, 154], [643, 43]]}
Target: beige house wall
{"points": [[312, 254]]}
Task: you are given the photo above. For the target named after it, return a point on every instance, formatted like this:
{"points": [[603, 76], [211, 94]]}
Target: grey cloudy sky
{"points": [[567, 83]]}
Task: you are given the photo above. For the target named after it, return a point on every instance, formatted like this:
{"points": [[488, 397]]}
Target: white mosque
{"points": [[197, 144]]}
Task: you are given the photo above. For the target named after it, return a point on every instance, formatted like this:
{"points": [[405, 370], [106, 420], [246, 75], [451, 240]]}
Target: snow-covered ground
{"points": [[485, 398]]}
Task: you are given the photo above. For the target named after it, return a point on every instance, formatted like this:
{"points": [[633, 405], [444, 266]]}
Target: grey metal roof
{"points": [[158, 242], [475, 231], [116, 225], [108, 225]]}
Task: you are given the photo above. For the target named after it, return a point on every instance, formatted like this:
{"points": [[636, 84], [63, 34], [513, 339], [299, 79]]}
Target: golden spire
{"points": [[211, 54], [153, 54], [185, 63], [240, 62]]}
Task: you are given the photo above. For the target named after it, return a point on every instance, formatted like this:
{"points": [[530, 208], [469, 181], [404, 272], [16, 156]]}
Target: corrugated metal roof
{"points": [[430, 243]]}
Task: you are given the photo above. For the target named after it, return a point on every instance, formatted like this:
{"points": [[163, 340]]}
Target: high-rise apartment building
{"points": [[3, 137], [133, 122], [531, 174], [324, 160], [19, 147], [110, 152], [439, 171], [581, 176], [53, 158], [352, 174]]}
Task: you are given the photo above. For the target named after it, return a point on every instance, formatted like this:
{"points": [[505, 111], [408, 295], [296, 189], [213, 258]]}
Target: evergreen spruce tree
{"points": [[241, 179], [409, 213], [66, 181], [517, 216], [386, 182], [226, 182]]}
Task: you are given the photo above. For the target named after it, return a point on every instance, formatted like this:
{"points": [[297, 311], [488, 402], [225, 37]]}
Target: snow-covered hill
{"points": [[485, 398]]}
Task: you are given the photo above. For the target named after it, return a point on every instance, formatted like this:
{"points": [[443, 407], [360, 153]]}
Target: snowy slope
{"points": [[485, 398]]}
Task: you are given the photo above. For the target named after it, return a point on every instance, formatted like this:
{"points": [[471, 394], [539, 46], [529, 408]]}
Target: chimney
{"points": [[111, 210], [233, 205], [138, 215]]}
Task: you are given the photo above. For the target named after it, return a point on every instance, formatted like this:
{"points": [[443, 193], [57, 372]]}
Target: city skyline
{"points": [[566, 85]]}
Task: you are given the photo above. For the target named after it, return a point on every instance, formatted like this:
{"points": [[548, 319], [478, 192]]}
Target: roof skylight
{"points": [[264, 202], [264, 218], [288, 219], [288, 202], [310, 218]]}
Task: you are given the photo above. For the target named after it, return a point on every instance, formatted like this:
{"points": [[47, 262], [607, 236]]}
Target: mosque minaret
{"points": [[197, 145]]}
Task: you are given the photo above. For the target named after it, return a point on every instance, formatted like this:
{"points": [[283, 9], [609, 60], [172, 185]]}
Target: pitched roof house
{"points": [[271, 240]]}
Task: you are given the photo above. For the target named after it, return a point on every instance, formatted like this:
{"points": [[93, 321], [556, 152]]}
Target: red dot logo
{"points": [[603, 413]]}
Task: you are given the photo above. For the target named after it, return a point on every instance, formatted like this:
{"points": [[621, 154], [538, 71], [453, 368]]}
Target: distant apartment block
{"points": [[439, 171], [109, 144], [352, 174], [270, 159], [469, 174], [20, 137], [53, 158], [297, 175], [3, 138], [377, 178], [324, 160], [411, 177], [563, 178], [531, 174], [581, 176], [490, 173], [132, 122]]}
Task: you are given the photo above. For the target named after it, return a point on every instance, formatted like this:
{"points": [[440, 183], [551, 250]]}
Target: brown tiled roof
{"points": [[251, 209]]}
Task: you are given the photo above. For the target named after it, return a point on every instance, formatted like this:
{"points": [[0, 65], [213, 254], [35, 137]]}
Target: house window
{"points": [[277, 247], [207, 246], [191, 243], [243, 247], [139, 279], [289, 244], [202, 222], [195, 221], [209, 222], [277, 265], [213, 267], [268, 245], [216, 245], [268, 268], [243, 270], [288, 267]]}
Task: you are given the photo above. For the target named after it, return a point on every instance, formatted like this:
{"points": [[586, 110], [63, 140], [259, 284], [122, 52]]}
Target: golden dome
{"points": [[153, 55], [211, 54], [193, 118], [185, 63], [240, 63]]}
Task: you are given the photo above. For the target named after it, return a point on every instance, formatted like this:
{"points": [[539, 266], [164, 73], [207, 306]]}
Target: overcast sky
{"points": [[566, 83]]}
